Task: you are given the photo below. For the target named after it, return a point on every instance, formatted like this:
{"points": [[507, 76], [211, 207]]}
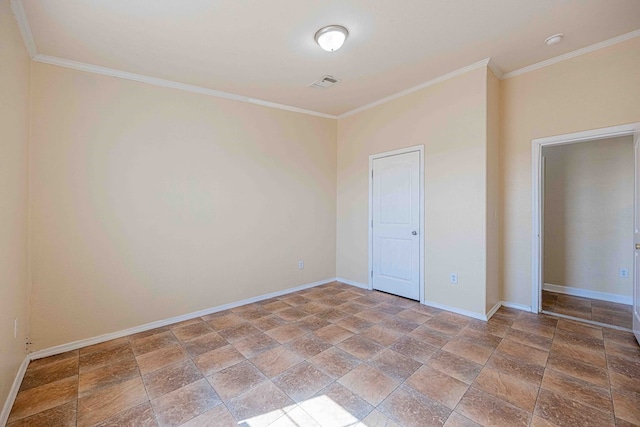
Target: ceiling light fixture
{"points": [[554, 39], [332, 37]]}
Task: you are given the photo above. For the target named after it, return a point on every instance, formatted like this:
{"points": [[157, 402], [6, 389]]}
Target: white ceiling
{"points": [[265, 49]]}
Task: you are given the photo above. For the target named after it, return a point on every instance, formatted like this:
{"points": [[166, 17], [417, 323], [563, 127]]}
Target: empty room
{"points": [[305, 213]]}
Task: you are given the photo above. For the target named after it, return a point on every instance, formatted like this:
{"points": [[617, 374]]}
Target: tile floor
{"points": [[590, 309], [336, 355]]}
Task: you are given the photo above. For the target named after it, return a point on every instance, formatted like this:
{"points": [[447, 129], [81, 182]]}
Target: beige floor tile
{"points": [[38, 399], [561, 410], [255, 345], [335, 362], [59, 416], [138, 416], [469, 350], [157, 359], [106, 376], [54, 371], [284, 334], [203, 344], [488, 410], [369, 383], [516, 368], [192, 331], [361, 347], [333, 334], [308, 346], [381, 335], [151, 343], [275, 361], [522, 351], [261, 406], [458, 367], [580, 391], [235, 380], [457, 420], [440, 354], [413, 348], [336, 405], [438, 386], [219, 415], [410, 408], [184, 404], [109, 401], [302, 381], [170, 378], [627, 406], [575, 368], [396, 365], [519, 393]]}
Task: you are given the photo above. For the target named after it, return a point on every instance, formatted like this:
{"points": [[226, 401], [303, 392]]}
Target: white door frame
{"points": [[372, 157], [538, 193]]}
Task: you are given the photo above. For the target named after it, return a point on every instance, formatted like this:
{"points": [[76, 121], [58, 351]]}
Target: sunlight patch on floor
{"points": [[317, 411]]}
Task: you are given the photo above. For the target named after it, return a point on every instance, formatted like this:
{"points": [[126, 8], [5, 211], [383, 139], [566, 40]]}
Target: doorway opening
{"points": [[396, 222], [585, 223]]}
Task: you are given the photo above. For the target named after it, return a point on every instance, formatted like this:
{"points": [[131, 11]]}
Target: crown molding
{"points": [[23, 24], [573, 54], [493, 66], [96, 69], [456, 73]]}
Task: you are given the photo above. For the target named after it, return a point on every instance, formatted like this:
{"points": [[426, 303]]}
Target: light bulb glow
{"points": [[331, 38]]}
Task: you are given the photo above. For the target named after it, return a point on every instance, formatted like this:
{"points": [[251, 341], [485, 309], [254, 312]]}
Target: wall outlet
{"points": [[623, 272], [15, 328], [453, 278], [300, 264]]}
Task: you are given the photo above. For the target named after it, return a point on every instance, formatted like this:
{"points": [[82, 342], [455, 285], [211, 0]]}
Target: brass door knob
{"points": [[638, 246]]}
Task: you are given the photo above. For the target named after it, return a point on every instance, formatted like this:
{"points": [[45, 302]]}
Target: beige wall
{"points": [[449, 119], [149, 203], [493, 191], [590, 91], [14, 127], [588, 218]]}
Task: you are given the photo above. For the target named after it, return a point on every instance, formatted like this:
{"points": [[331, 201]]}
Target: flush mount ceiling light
{"points": [[332, 37], [554, 39]]}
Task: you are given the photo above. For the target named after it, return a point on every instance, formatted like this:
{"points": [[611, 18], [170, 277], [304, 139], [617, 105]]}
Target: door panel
{"points": [[396, 224]]}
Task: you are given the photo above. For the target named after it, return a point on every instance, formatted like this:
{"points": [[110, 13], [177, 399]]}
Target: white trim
{"points": [[456, 310], [493, 310], [515, 306], [493, 66], [352, 283], [573, 54], [13, 391], [372, 157], [113, 335], [586, 293], [431, 82], [89, 68], [536, 193], [23, 24]]}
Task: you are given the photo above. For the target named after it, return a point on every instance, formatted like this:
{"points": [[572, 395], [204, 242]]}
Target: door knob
{"points": [[638, 246], [415, 233]]}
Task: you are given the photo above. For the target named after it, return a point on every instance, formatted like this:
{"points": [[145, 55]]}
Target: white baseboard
{"points": [[493, 310], [586, 293], [353, 283], [13, 392], [113, 335], [456, 310], [515, 306]]}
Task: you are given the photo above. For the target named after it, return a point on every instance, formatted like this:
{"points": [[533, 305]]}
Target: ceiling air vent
{"points": [[325, 82]]}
